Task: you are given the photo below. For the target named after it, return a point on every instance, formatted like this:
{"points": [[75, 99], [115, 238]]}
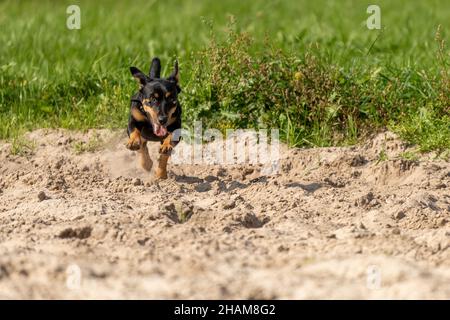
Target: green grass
{"points": [[382, 156], [95, 143], [310, 68], [410, 155], [21, 146]]}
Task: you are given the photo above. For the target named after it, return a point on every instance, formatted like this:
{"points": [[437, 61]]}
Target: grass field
{"points": [[310, 68]]}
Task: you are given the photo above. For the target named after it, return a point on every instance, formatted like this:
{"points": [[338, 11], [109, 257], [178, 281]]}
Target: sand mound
{"points": [[357, 222]]}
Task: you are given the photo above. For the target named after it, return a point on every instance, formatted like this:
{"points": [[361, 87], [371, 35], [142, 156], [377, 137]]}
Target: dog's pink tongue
{"points": [[160, 131]]}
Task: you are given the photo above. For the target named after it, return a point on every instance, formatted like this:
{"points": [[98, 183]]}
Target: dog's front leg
{"points": [[135, 140], [164, 150], [167, 145], [161, 171]]}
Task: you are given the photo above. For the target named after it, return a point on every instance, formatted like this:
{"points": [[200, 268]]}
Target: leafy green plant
{"points": [[312, 102]]}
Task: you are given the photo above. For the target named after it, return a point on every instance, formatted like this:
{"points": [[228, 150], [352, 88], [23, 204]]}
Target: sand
{"points": [[333, 223]]}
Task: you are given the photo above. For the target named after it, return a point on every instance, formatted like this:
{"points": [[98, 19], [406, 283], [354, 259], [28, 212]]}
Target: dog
{"points": [[155, 115]]}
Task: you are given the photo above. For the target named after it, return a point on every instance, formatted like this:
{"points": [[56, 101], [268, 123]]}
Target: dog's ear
{"points": [[175, 75], [139, 76], [155, 68]]}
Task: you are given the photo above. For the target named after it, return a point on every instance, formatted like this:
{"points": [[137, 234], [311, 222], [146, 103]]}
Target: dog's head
{"points": [[159, 96]]}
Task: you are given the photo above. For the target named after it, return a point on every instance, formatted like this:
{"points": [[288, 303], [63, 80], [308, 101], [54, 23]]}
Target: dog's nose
{"points": [[162, 119]]}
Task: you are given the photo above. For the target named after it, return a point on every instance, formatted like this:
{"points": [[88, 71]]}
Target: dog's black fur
{"points": [[155, 112], [151, 106]]}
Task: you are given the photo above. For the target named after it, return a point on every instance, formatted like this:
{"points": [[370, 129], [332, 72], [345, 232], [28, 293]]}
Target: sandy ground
{"points": [[334, 223]]}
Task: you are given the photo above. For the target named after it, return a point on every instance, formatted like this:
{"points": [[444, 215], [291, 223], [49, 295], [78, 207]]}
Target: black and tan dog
{"points": [[155, 115]]}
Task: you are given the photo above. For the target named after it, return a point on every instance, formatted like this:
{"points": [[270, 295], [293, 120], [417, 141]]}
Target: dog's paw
{"points": [[133, 145], [134, 142], [165, 148]]}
